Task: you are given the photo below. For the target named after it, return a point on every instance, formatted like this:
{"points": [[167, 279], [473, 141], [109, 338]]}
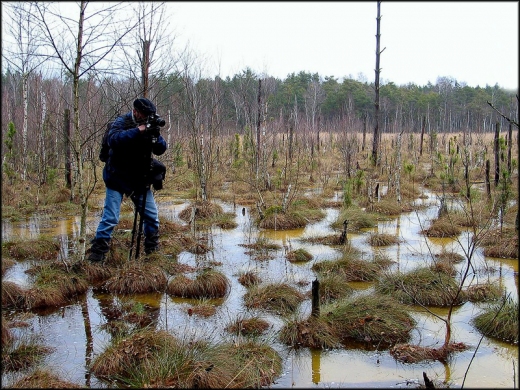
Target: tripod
{"points": [[143, 207]]}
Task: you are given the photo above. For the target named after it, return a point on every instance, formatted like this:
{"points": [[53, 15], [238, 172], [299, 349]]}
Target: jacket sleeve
{"points": [[120, 135], [160, 146]]}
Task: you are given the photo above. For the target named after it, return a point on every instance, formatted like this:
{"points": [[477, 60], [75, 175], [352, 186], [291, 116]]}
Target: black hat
{"points": [[144, 106]]}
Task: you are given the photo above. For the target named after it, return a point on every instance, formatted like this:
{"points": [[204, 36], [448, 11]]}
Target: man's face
{"points": [[139, 117]]}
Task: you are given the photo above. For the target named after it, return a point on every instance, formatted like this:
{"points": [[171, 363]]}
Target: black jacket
{"points": [[128, 167]]}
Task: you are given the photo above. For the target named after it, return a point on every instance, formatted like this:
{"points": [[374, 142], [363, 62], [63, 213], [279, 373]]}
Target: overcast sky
{"points": [[472, 42]]}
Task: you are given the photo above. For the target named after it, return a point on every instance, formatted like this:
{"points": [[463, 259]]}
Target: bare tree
{"points": [[375, 141]]}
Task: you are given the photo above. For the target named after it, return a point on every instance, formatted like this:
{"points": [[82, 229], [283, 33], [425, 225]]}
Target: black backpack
{"points": [[104, 152]]}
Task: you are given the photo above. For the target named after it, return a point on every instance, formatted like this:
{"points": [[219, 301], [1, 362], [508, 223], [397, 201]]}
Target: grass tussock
{"points": [[277, 297], [156, 359], [7, 264], [43, 379], [501, 243], [408, 353], [254, 326], [23, 352], [351, 268], [388, 207], [499, 321], [449, 256], [382, 239], [207, 284], [135, 277], [282, 221], [484, 292], [13, 296], [202, 308], [201, 211], [442, 227], [357, 218], [421, 286], [299, 255], [309, 333], [371, 319], [333, 286], [249, 278], [43, 248]]}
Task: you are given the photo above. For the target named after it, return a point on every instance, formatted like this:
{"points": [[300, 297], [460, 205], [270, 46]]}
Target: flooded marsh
{"points": [[76, 342]]}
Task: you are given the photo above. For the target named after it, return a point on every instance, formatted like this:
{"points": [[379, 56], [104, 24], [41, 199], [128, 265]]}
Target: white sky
{"points": [[474, 42]]}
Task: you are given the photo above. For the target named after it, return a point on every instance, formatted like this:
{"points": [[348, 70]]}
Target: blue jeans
{"points": [[110, 217]]}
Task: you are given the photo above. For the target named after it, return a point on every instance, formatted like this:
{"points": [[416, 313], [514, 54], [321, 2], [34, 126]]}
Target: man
{"points": [[127, 172]]}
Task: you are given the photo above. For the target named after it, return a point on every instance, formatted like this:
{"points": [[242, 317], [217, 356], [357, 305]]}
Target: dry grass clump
{"points": [[351, 268], [95, 273], [389, 207], [135, 277], [408, 353], [207, 284], [155, 359], [499, 322], [278, 220], [202, 308], [7, 337], [449, 256], [253, 326], [23, 352], [444, 266], [249, 278], [7, 263], [421, 286], [53, 286], [43, 379], [501, 244], [309, 333], [126, 353], [43, 248], [442, 227], [382, 239], [13, 296], [278, 297], [205, 211], [299, 255], [483, 292], [373, 319], [357, 219], [262, 244]]}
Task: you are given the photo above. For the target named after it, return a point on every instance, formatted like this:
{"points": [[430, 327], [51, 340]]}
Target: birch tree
{"points": [[23, 55]]}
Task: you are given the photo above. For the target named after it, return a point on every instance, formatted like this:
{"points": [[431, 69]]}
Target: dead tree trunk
{"points": [[497, 153], [375, 141]]}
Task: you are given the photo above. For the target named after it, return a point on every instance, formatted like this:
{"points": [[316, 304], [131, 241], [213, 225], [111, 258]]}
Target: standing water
{"points": [[487, 362]]}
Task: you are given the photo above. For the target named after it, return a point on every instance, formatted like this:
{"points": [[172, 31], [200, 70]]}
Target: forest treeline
{"points": [[303, 101]]}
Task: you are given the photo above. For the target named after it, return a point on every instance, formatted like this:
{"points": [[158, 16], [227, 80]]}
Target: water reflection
{"points": [[79, 331]]}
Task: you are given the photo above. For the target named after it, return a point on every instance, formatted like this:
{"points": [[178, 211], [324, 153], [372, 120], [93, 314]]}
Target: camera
{"points": [[153, 124]]}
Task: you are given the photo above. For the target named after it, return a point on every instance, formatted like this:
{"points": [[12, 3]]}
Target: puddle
{"points": [[494, 365]]}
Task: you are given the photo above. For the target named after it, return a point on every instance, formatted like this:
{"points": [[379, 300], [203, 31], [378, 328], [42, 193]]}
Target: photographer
{"points": [[127, 172]]}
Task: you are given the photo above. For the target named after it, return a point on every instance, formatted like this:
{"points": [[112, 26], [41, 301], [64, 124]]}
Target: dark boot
{"points": [[98, 250], [151, 243]]}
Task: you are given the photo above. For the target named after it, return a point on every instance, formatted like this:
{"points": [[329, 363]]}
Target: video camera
{"points": [[153, 124]]}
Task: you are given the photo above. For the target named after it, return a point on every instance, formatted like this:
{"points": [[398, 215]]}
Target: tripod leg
{"points": [[133, 234], [141, 221]]}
